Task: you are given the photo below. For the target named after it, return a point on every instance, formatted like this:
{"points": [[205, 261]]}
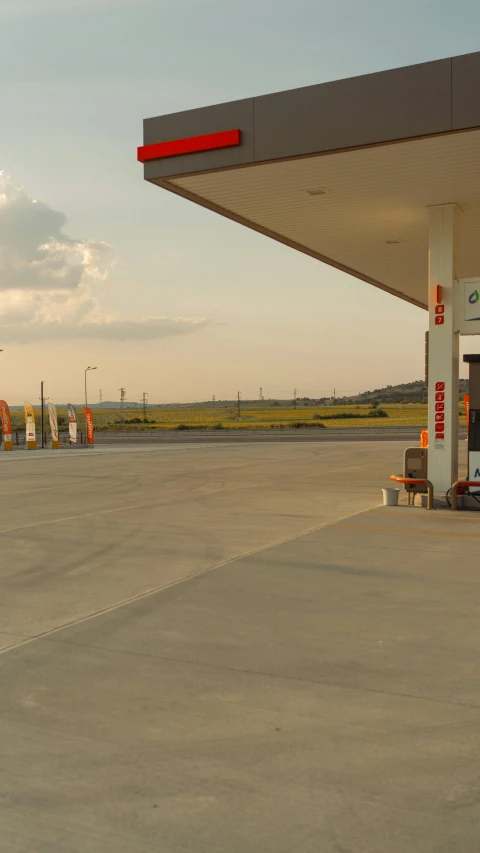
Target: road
{"points": [[408, 434]]}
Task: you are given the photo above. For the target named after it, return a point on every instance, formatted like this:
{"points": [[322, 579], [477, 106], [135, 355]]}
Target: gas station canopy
{"points": [[342, 171]]}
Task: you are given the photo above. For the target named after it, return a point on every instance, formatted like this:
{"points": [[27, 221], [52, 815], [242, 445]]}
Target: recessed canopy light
{"points": [[392, 242], [317, 191]]}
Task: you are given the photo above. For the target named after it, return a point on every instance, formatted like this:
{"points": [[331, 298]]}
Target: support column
{"points": [[443, 368]]}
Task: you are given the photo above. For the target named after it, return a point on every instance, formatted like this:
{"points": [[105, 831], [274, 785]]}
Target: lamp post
{"points": [[42, 403], [86, 371]]}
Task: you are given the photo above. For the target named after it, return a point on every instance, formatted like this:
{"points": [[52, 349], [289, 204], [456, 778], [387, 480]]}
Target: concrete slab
{"points": [[82, 531], [304, 683]]}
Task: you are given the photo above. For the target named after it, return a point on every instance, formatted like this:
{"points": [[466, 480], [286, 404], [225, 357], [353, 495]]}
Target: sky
{"points": [[100, 268]]}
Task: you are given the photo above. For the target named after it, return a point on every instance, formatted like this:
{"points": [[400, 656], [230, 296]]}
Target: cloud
{"points": [[27, 316], [48, 280], [35, 252], [151, 328]]}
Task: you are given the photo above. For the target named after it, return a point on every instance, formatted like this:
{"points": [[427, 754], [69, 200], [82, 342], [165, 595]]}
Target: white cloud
{"points": [[150, 328], [48, 280], [35, 252]]}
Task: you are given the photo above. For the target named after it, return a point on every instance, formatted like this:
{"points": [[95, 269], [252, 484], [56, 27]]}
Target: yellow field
{"points": [[266, 417]]}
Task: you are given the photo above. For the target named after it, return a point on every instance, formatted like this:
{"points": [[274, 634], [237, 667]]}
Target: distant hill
{"points": [[408, 392]]}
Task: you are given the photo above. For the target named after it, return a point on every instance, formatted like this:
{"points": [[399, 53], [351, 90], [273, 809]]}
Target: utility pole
{"points": [[213, 399], [294, 398], [260, 395], [144, 401], [238, 404], [334, 397], [100, 397], [43, 411], [123, 395]]}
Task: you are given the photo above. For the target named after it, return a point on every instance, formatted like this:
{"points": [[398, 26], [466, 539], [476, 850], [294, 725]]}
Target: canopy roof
{"points": [[342, 171]]}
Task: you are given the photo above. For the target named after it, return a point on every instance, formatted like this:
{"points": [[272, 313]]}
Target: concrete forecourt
{"points": [[234, 647]]}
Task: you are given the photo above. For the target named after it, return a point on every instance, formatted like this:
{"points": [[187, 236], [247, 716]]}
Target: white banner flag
{"points": [[72, 423], [29, 421], [52, 417]]}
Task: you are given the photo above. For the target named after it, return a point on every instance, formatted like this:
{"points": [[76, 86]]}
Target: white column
{"points": [[443, 349]]}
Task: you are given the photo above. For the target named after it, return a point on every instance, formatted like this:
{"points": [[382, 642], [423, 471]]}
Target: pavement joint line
{"points": [[74, 517], [442, 533], [146, 593]]}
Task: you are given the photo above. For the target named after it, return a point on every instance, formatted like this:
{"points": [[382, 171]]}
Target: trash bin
{"points": [[390, 497]]}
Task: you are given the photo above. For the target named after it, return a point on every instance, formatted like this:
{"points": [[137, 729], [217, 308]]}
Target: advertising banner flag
{"points": [[466, 400], [52, 417], [6, 425], [88, 424], [30, 426], [72, 423]]}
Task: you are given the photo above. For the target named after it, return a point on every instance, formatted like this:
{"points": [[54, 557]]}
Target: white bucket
{"points": [[390, 497]]}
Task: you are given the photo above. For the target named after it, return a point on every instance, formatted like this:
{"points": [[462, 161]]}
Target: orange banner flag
{"points": [[6, 425], [89, 424]]}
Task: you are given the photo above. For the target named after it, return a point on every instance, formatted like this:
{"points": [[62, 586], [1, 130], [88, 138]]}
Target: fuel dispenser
{"points": [[415, 468], [473, 362]]}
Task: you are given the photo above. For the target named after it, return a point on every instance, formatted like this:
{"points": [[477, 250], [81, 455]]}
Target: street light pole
{"points": [[42, 399], [86, 369]]}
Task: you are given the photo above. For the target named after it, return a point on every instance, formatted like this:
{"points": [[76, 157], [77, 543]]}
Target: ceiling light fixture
{"points": [[392, 242], [318, 191]]}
